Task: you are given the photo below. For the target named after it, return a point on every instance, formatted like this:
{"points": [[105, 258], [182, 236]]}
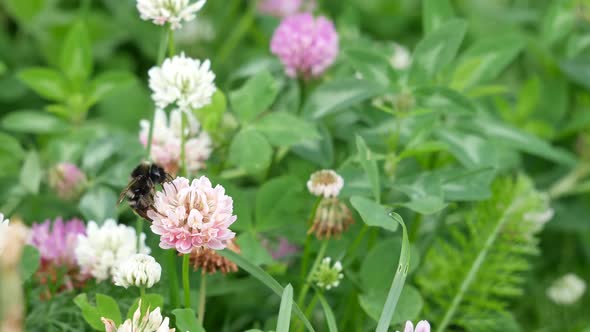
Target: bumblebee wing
{"points": [[124, 192]]}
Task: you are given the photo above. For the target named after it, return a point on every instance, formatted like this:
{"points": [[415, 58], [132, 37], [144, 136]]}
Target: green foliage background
{"points": [[495, 104]]}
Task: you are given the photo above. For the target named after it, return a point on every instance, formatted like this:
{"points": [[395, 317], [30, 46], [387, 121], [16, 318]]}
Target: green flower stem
{"points": [[307, 283], [568, 183], [202, 297], [306, 250], [142, 293], [173, 282], [186, 280], [312, 304], [171, 45], [357, 241], [236, 36], [138, 230]]}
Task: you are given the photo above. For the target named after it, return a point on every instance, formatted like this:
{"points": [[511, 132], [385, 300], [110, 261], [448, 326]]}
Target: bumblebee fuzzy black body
{"points": [[142, 186]]}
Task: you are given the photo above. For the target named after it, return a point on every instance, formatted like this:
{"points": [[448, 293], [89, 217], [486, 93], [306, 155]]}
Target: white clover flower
{"points": [[103, 247], [327, 276], [325, 183], [166, 141], [567, 289], [169, 11], [3, 231], [182, 80], [139, 270], [151, 322], [401, 58]]}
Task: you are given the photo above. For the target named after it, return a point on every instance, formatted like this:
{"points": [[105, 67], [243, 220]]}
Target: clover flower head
{"points": [[103, 247], [328, 276], [209, 261], [192, 215], [325, 183], [139, 270], [567, 289], [166, 141], [173, 12], [306, 45], [184, 81], [57, 241], [67, 180], [284, 8], [422, 326], [152, 321], [332, 218], [3, 231]]}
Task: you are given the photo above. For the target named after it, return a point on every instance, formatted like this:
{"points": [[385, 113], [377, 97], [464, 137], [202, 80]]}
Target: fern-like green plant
{"points": [[469, 274]]}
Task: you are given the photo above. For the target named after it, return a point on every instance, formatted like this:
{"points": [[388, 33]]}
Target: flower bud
{"points": [[325, 183], [67, 180], [567, 289]]}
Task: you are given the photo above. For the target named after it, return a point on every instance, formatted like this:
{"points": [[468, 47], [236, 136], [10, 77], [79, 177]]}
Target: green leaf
{"points": [[467, 185], [31, 173], [254, 97], [476, 267], [336, 95], [559, 21], [437, 50], [106, 82], [370, 166], [578, 70], [76, 55], [253, 250], [372, 64], [89, 312], [11, 155], [426, 204], [29, 263], [409, 305], [398, 282], [380, 263], [434, 14], [98, 152], [279, 203], [375, 214], [251, 151], [211, 115], [265, 278], [485, 60], [285, 310], [150, 301], [99, 204], [522, 141], [186, 320], [471, 151], [108, 307], [285, 129], [318, 151], [24, 10], [46, 82], [33, 122], [330, 319]]}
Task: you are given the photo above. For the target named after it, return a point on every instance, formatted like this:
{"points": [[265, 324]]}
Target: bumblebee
{"points": [[142, 187]]}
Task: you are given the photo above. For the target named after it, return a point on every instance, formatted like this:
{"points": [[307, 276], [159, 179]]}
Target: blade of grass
{"points": [[398, 281], [265, 278], [330, 319], [285, 310]]}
